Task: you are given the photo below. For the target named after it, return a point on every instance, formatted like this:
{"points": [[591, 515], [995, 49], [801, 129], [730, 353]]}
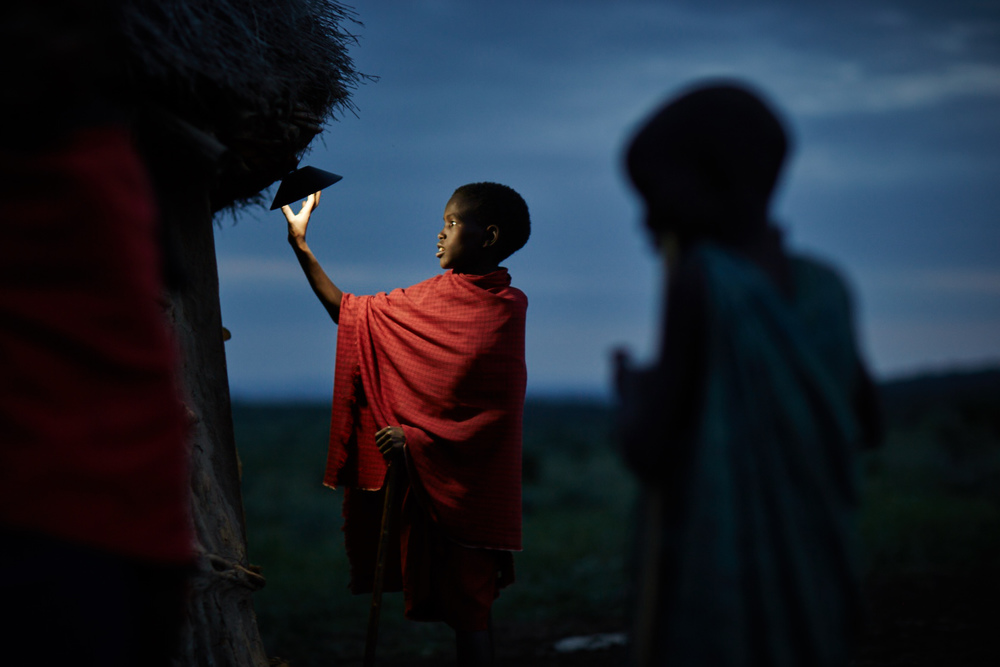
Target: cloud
{"points": [[253, 272], [820, 83], [919, 344], [276, 358], [844, 165], [922, 317], [848, 87], [951, 282], [815, 63], [894, 103], [570, 80], [250, 270]]}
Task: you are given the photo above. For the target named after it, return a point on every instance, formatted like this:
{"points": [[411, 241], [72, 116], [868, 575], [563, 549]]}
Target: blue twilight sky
{"points": [[895, 177]]}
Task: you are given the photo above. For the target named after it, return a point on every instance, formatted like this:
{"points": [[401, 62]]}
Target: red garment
{"points": [[440, 579], [444, 360], [92, 431], [444, 581]]}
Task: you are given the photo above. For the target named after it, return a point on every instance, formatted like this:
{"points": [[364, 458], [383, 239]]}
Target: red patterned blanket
{"points": [[444, 360]]}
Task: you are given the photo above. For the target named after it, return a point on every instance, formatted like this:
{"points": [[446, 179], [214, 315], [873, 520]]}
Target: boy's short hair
{"points": [[496, 204]]}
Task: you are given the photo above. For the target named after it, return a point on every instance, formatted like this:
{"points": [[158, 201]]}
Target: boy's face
{"points": [[463, 242]]}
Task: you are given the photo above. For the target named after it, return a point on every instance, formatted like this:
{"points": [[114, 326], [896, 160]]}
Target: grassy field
{"points": [[931, 504], [577, 498], [932, 491]]}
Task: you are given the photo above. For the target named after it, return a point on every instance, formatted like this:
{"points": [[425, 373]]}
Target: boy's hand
{"points": [[390, 441], [298, 222]]}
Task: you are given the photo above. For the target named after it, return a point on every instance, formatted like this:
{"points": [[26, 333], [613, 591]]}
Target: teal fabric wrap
{"points": [[761, 547]]}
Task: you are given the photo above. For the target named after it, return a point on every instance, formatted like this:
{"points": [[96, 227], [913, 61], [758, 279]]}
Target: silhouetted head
{"points": [[496, 209], [706, 163]]}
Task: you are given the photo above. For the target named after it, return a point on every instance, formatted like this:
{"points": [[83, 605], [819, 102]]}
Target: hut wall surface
{"points": [[221, 627]]}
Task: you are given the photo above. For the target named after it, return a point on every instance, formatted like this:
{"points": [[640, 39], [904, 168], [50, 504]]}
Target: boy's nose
{"points": [[441, 235]]}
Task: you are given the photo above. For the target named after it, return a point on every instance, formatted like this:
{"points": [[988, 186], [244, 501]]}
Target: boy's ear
{"points": [[492, 234]]}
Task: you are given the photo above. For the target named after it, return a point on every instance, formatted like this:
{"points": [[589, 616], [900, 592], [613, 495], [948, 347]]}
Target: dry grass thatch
{"points": [[262, 76]]}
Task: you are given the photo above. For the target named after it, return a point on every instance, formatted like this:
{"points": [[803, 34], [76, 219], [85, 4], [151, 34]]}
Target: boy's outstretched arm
{"points": [[328, 293]]}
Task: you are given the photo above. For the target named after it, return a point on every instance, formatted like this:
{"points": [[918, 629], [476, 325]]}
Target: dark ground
{"points": [[916, 620], [930, 506], [939, 620]]}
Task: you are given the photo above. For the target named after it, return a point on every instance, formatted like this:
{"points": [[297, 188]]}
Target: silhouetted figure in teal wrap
{"points": [[745, 431]]}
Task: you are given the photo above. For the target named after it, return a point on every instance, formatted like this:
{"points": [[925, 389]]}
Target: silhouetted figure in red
{"points": [[95, 534]]}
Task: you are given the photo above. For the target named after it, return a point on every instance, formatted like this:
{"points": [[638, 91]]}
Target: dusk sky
{"points": [[894, 109]]}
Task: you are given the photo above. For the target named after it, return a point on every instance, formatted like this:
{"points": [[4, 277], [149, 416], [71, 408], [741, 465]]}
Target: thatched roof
{"points": [[261, 76]]}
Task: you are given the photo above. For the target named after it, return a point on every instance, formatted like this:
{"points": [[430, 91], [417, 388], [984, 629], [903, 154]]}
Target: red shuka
{"points": [[444, 360], [92, 430]]}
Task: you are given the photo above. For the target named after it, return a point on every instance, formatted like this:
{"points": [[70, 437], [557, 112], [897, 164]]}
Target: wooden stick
{"points": [[383, 547]]}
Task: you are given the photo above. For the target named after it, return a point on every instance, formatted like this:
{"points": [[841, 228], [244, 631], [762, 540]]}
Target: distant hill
{"points": [[909, 399], [904, 400]]}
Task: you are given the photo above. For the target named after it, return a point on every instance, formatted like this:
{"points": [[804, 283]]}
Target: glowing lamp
{"points": [[301, 183]]}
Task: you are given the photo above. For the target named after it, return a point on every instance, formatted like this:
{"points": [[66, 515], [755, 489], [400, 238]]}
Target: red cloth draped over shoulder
{"points": [[444, 360], [92, 429]]}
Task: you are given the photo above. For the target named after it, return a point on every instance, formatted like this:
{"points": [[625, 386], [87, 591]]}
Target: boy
{"points": [[434, 374], [745, 431]]}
